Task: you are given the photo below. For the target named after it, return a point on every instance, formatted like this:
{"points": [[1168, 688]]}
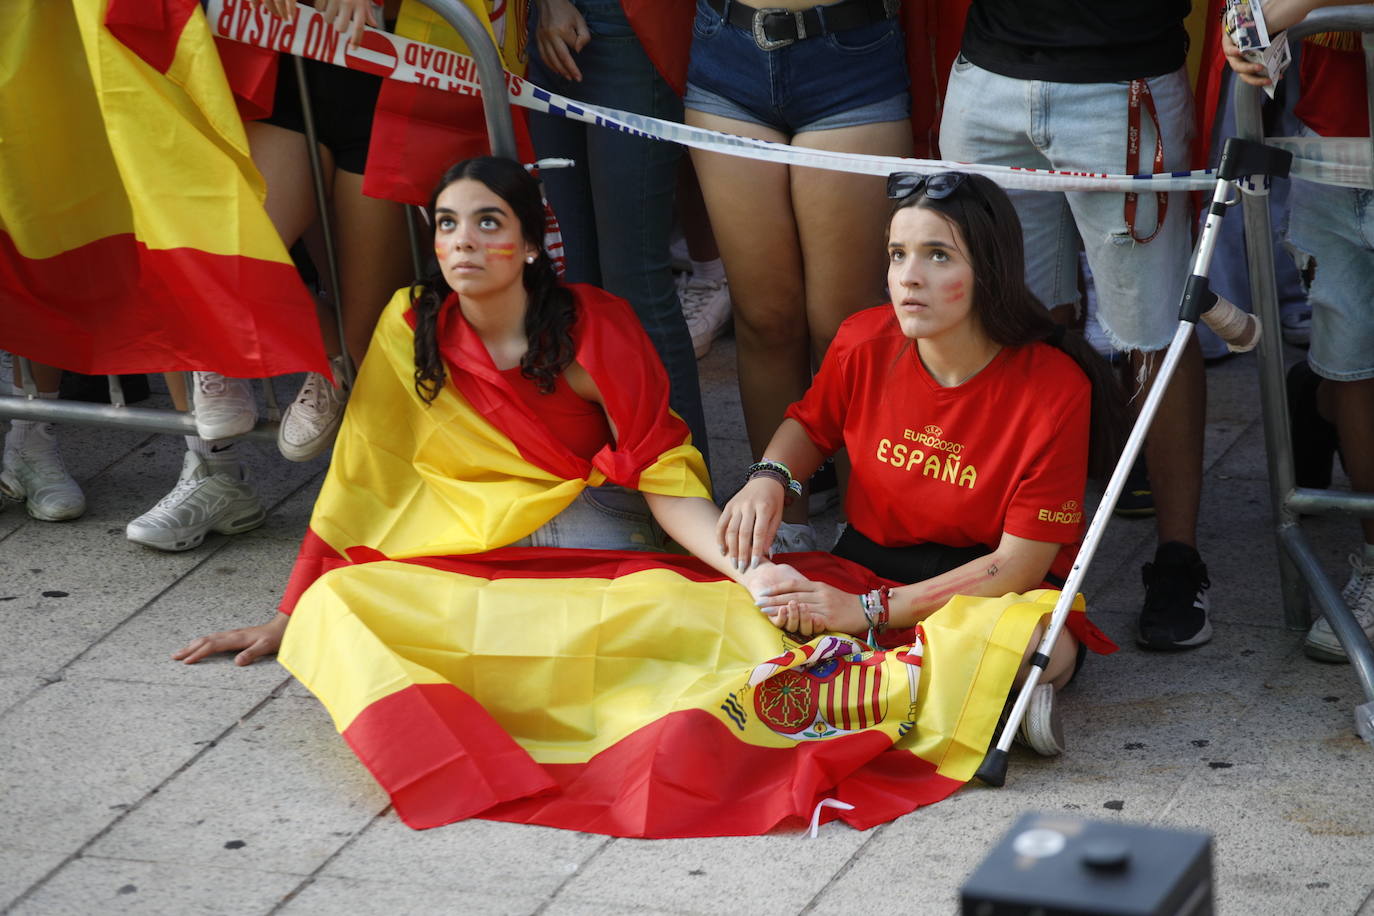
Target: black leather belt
{"points": [[773, 27]]}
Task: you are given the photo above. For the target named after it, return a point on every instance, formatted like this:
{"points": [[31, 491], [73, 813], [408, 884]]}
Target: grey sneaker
{"points": [[35, 475], [1358, 594], [311, 420], [223, 406], [1041, 730], [706, 306], [203, 500]]}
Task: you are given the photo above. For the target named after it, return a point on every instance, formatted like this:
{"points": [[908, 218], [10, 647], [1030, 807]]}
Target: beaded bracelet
{"points": [[877, 611], [774, 470]]}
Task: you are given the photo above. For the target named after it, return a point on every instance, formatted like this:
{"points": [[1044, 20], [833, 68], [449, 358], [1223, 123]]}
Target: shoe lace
{"points": [[1360, 593], [696, 295], [184, 488], [1162, 590], [314, 394]]}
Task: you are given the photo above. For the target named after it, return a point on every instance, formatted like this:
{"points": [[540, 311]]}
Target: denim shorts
{"points": [[829, 81], [601, 518], [1331, 237], [1082, 127]]}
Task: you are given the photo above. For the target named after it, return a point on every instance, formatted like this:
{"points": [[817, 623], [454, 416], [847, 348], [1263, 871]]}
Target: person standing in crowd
{"points": [[1331, 235], [802, 248], [1072, 85], [615, 205]]}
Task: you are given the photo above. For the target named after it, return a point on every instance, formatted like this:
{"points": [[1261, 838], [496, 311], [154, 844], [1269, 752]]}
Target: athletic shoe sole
{"points": [[171, 541], [1201, 637], [12, 489]]}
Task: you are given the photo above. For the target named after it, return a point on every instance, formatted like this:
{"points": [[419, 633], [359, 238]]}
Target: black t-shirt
{"points": [[1077, 41]]}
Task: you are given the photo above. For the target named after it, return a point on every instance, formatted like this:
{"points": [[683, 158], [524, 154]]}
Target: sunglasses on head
{"points": [[901, 185]]}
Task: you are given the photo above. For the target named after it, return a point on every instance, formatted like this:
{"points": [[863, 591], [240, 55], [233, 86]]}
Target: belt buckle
{"points": [[768, 44]]}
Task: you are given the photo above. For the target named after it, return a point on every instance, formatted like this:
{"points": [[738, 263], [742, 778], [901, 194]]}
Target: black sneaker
{"points": [[1175, 613], [1137, 500]]}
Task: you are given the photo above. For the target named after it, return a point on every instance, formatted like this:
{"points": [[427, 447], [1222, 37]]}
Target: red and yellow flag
{"points": [[132, 232], [476, 469], [634, 694]]}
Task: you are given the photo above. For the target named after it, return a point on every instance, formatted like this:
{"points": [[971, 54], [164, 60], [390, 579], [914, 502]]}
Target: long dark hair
{"points": [[550, 316], [1010, 314]]}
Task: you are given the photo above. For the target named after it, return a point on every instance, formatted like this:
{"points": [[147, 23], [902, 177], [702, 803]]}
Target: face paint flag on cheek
{"points": [[502, 252]]}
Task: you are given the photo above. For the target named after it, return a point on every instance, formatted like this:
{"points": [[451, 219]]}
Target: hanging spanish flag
{"points": [[620, 692], [419, 131], [132, 232]]}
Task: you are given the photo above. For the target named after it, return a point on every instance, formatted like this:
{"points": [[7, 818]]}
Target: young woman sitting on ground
{"points": [[966, 413]]}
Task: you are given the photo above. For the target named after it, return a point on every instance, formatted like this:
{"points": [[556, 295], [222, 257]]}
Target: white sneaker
{"points": [[203, 500], [35, 475], [706, 306], [1358, 595], [793, 538], [1041, 730], [223, 406], [311, 420]]}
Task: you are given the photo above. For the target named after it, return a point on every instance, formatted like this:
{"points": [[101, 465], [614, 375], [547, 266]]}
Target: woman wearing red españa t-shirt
{"points": [[967, 415]]}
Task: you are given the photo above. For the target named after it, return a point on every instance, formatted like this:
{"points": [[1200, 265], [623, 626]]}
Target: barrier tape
{"points": [[390, 56]]}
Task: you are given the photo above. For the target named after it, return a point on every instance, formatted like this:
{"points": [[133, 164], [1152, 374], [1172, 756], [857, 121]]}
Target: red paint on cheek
{"points": [[954, 290], [500, 252]]}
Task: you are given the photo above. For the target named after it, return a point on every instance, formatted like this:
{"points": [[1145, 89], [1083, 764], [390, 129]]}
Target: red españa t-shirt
{"points": [[1005, 451]]}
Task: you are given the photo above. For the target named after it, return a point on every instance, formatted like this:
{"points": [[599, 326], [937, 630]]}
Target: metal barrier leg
{"points": [[325, 212]]}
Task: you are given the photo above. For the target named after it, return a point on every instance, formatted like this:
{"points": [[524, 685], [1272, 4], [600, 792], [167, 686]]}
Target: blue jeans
{"points": [[601, 518], [615, 207]]}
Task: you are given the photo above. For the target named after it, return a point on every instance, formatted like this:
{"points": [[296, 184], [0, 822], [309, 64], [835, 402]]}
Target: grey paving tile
{"points": [[281, 792], [20, 868], [78, 754], [97, 885], [478, 855], [357, 897], [564, 905], [238, 586], [14, 687], [72, 584], [1285, 845], [939, 847], [777, 873]]}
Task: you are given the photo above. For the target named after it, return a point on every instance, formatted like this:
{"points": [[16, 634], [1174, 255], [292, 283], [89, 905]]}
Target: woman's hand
{"points": [[749, 521], [1245, 70], [282, 9], [797, 605], [562, 33], [254, 642], [350, 16]]}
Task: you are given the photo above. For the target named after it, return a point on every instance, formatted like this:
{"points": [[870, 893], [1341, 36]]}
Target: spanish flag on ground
{"points": [[633, 694], [132, 232]]}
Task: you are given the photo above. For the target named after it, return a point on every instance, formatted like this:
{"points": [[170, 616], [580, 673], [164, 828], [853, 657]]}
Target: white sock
{"points": [[712, 271], [20, 430], [218, 454]]}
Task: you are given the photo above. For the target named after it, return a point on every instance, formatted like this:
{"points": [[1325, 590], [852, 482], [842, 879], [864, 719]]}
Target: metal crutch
{"points": [[1238, 158]]}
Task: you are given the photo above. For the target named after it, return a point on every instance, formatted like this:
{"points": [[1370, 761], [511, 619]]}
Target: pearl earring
{"points": [[529, 259]]}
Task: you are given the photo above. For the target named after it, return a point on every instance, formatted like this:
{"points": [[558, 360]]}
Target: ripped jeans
{"points": [[1082, 127]]}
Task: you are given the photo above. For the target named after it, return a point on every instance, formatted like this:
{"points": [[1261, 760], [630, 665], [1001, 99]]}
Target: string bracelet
{"points": [[877, 611]]}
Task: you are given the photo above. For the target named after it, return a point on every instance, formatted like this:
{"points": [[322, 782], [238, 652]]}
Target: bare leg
{"points": [[1352, 410], [374, 257], [750, 204], [691, 208], [1173, 447], [842, 221], [45, 378], [1063, 656]]}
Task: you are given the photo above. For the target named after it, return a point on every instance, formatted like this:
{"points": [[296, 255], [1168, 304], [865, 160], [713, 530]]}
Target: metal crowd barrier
{"points": [[1300, 572], [118, 415]]}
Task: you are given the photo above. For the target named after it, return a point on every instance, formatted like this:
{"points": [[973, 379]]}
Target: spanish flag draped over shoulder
{"points": [[132, 232], [618, 692]]}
